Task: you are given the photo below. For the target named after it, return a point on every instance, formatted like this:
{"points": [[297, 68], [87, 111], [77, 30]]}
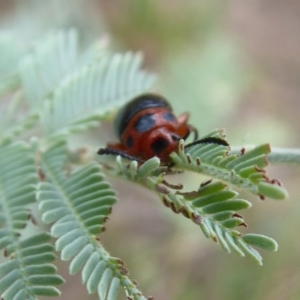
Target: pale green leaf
{"points": [[260, 241], [80, 259], [114, 289]]}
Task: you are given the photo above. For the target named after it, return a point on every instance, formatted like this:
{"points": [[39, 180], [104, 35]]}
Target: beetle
{"points": [[147, 127]]}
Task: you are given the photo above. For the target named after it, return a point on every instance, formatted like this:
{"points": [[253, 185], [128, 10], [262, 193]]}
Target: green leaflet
{"points": [[95, 276], [260, 241], [232, 223], [104, 283], [114, 289], [80, 259], [212, 198], [272, 191], [234, 205]]}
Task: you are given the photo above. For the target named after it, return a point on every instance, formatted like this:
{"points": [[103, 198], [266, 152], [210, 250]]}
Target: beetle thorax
{"points": [[160, 143]]}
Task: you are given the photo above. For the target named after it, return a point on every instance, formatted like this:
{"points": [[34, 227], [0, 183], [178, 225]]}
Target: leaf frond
{"points": [[50, 60], [10, 53], [11, 123], [213, 207], [79, 206], [17, 190], [90, 94], [246, 171], [29, 272]]}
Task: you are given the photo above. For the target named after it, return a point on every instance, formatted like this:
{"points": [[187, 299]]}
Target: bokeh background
{"points": [[233, 64]]}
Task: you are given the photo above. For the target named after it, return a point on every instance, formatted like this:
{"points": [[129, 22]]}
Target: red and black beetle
{"points": [[147, 127]]}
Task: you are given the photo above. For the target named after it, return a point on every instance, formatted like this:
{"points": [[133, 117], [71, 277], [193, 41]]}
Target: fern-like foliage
{"points": [[72, 91], [62, 90], [28, 273], [79, 205], [12, 122], [245, 171], [50, 60], [86, 97], [66, 91], [10, 52], [18, 179], [213, 206]]}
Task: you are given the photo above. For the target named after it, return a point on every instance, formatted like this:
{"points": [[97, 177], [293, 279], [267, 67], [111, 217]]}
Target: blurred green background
{"points": [[234, 64]]}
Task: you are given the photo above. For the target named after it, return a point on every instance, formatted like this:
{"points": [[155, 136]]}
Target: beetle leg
{"points": [[112, 151], [185, 130], [195, 131]]}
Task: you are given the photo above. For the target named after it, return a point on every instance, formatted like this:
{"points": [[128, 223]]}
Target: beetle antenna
{"points": [[208, 140], [110, 151], [195, 131]]}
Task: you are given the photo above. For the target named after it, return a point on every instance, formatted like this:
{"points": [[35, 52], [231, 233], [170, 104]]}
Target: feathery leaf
{"points": [[49, 62], [79, 206], [11, 124], [89, 95], [245, 171], [213, 207], [10, 53], [28, 272], [17, 189]]}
